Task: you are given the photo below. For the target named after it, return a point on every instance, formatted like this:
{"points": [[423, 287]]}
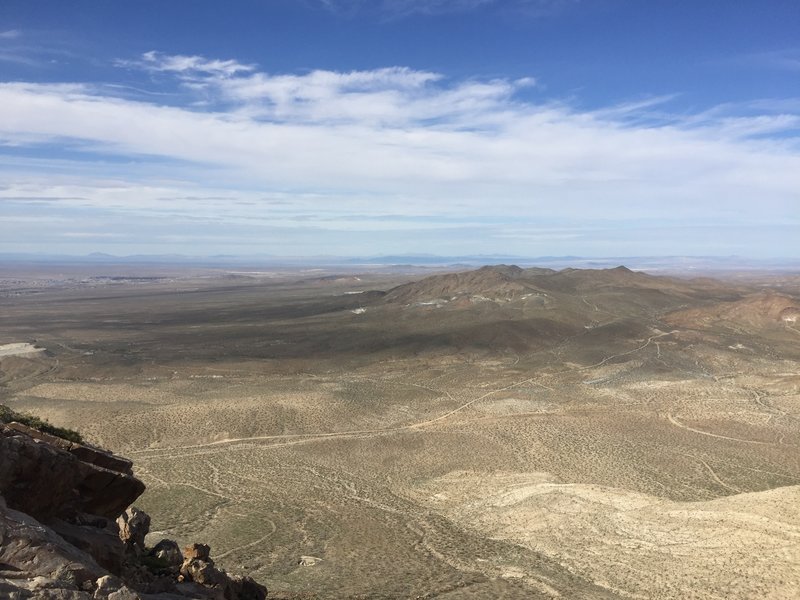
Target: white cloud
{"points": [[10, 34], [390, 95], [395, 95], [187, 66], [350, 146]]}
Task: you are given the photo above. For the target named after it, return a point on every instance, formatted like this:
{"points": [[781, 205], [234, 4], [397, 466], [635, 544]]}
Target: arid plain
{"points": [[495, 433]]}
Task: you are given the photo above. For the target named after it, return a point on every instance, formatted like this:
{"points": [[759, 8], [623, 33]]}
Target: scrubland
{"points": [[588, 434]]}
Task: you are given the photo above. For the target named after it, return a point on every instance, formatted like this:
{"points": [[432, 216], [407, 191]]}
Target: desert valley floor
{"points": [[494, 433]]}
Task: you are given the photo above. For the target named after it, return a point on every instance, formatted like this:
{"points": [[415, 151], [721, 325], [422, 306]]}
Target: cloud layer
{"points": [[361, 150]]}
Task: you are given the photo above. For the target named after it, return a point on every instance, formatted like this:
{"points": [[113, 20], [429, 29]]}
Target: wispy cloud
{"points": [[432, 7], [39, 49], [405, 8], [10, 51], [788, 59], [187, 66], [388, 95], [785, 59], [90, 234], [19, 58], [391, 149]]}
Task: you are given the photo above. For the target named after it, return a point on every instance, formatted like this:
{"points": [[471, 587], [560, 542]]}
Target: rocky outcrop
{"points": [[32, 552], [169, 553], [68, 532], [49, 477], [134, 524], [199, 568]]}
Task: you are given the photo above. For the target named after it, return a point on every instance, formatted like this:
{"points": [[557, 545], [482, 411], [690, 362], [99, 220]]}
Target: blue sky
{"points": [[368, 127]]}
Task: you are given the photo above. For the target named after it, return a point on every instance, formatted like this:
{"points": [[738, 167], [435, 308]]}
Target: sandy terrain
{"points": [[18, 348], [601, 444]]}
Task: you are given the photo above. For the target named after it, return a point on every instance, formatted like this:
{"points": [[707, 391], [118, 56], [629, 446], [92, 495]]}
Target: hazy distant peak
{"points": [[512, 271]]}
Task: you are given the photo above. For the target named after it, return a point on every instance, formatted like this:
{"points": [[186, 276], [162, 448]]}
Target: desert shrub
{"points": [[7, 415], [154, 564]]}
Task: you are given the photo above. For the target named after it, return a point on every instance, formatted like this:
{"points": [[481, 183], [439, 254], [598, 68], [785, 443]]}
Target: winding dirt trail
{"points": [[712, 472], [716, 477], [251, 544], [590, 304], [672, 419], [613, 356], [758, 397]]}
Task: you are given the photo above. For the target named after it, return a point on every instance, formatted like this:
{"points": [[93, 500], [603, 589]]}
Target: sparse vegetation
{"points": [[7, 416], [604, 439], [155, 565]]}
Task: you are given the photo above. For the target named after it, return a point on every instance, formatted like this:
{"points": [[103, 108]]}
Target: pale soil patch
{"points": [[510, 406], [741, 546], [18, 348]]}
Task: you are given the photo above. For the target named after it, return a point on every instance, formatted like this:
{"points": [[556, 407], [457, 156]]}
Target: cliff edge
{"points": [[68, 530]]}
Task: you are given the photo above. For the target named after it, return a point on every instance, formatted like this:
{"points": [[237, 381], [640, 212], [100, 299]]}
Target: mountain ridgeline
{"points": [[505, 307]]}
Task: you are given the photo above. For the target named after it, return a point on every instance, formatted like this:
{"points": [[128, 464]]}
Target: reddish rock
{"points": [[47, 481], [87, 454], [197, 551]]}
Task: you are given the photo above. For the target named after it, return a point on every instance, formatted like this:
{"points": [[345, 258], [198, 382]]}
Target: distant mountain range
{"points": [[643, 263]]}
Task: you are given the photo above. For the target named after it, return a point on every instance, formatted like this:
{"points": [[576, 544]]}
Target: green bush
{"points": [[7, 415], [155, 565]]}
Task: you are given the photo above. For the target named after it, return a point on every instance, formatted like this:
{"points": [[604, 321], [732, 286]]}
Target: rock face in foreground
{"points": [[49, 477], [67, 531]]}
